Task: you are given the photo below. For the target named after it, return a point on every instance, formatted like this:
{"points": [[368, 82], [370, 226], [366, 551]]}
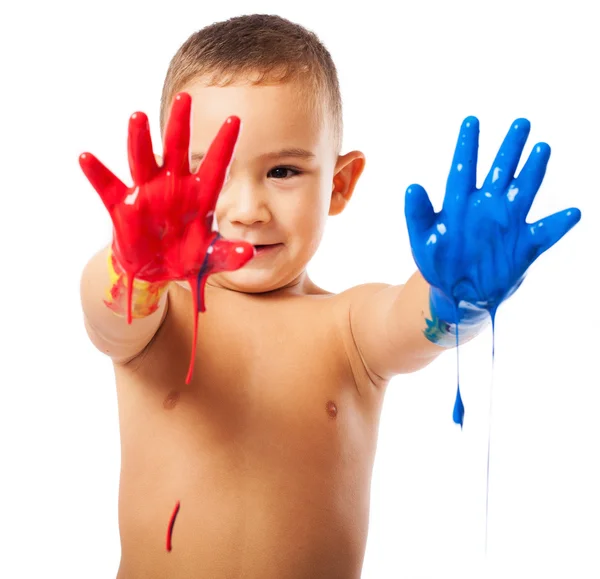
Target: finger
{"points": [[215, 164], [546, 232], [229, 255], [110, 188], [530, 178], [142, 162], [177, 135], [507, 160], [418, 211], [462, 178]]}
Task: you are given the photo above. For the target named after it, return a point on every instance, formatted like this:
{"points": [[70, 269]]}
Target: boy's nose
{"points": [[246, 207]]}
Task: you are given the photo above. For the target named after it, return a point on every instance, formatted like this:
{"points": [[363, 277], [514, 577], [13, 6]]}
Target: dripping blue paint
{"points": [[475, 252]]}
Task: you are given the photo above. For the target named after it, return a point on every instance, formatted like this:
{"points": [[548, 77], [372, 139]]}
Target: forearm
{"points": [[104, 299], [419, 325]]}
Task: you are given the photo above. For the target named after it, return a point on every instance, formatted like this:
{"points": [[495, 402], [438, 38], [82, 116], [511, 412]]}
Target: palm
{"points": [[478, 248]]}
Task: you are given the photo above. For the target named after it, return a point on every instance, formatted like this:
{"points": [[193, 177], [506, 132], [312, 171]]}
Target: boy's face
{"points": [[285, 178]]}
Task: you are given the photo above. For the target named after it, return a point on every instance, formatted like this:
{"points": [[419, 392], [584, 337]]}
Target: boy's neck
{"points": [[301, 285]]}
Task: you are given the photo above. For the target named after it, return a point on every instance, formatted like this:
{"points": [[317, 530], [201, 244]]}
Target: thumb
{"points": [[543, 234], [418, 210]]}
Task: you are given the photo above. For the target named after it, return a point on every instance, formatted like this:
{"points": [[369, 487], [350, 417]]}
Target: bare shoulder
{"points": [[360, 292], [342, 305], [339, 306]]}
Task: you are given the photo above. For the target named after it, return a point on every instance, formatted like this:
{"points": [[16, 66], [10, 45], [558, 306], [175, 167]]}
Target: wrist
{"points": [[139, 301], [450, 319]]}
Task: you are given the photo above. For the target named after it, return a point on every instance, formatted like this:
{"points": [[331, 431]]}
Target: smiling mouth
{"points": [[269, 247]]}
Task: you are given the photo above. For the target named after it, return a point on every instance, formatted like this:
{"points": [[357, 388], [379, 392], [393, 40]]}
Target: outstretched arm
{"points": [[471, 256], [103, 296], [161, 233], [402, 329]]}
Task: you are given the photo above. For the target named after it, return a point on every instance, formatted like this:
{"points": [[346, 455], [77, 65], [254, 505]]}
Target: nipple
{"points": [[331, 408]]}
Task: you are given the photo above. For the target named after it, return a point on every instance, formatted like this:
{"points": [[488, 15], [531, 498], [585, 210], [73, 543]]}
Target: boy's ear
{"points": [[347, 171]]}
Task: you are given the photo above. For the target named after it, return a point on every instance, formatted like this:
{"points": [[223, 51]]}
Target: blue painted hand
{"points": [[475, 252], [479, 246]]}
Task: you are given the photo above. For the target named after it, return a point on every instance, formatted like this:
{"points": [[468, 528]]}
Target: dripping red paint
{"points": [[162, 225], [170, 527]]}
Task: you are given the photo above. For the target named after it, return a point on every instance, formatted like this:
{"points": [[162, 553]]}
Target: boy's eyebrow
{"points": [[290, 152]]}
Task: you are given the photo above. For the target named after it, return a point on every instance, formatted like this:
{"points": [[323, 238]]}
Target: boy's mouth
{"points": [[267, 247]]}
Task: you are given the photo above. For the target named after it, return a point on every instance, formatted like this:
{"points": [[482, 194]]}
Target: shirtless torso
{"points": [[269, 449]]}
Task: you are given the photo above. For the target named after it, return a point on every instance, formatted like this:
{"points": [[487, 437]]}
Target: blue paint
{"points": [[487, 470], [203, 272], [458, 413], [452, 323], [476, 250]]}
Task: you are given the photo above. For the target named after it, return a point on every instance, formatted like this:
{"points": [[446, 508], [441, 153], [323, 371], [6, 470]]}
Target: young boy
{"points": [[268, 450]]}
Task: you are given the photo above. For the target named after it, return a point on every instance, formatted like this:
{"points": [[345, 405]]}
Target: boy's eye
{"points": [[282, 173]]}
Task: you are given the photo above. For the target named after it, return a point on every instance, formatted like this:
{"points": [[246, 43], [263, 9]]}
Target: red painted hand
{"points": [[163, 224]]}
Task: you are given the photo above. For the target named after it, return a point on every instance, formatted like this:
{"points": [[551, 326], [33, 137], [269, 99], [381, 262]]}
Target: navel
{"points": [[171, 400], [331, 408]]}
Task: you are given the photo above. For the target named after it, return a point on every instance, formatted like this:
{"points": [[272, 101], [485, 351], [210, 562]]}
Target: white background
{"points": [[71, 76]]}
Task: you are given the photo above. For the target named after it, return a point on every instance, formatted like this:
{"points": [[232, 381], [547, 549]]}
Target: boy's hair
{"points": [[261, 49]]}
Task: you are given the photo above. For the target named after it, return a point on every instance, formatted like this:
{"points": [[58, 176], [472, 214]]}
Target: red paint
{"points": [[162, 226], [170, 528]]}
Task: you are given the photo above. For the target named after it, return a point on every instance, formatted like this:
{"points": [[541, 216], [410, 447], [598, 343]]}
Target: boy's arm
{"points": [[478, 249], [108, 328], [400, 329]]}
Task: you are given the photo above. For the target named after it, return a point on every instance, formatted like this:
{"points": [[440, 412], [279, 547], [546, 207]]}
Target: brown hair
{"points": [[263, 49]]}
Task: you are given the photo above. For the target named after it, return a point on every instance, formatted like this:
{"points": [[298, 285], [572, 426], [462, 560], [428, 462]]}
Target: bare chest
{"points": [[271, 444], [272, 385]]}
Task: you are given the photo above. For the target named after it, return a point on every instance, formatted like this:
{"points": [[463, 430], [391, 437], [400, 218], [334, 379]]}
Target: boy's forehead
{"points": [[274, 117]]}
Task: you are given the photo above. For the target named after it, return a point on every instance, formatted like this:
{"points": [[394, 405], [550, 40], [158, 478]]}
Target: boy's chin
{"points": [[245, 280], [251, 281]]}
